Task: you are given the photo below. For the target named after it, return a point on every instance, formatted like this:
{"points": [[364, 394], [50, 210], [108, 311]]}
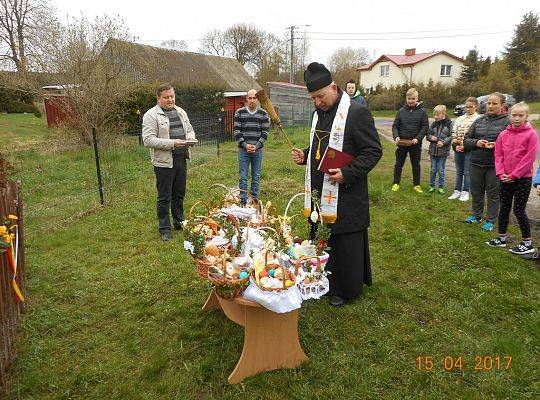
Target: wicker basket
{"points": [[225, 287], [286, 275], [315, 288]]}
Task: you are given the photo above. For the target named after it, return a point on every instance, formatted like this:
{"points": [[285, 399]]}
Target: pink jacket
{"points": [[515, 151]]}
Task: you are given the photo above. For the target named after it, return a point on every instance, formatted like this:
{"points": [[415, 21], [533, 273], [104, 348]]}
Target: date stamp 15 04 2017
{"points": [[450, 363]]}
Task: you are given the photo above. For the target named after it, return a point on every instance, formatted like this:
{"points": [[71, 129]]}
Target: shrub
{"points": [[195, 100], [16, 101]]}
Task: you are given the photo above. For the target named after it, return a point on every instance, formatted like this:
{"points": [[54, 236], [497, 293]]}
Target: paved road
{"points": [[384, 126]]}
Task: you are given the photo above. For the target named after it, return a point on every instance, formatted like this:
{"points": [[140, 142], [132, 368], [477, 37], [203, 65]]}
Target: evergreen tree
{"points": [[523, 52], [485, 65], [471, 68]]}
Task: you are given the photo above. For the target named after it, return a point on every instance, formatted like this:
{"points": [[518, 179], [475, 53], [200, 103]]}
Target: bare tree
{"points": [[344, 61], [242, 42], [180, 45], [24, 25], [213, 42], [90, 65], [269, 59]]}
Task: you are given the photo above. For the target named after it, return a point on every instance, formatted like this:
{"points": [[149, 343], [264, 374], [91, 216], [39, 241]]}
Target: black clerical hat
{"points": [[317, 77]]}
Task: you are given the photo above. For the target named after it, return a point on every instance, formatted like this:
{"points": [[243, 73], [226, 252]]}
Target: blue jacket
{"points": [[359, 99], [536, 180]]}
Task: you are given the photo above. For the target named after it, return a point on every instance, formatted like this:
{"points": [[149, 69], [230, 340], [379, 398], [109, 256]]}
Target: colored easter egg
{"points": [[272, 272], [243, 274]]}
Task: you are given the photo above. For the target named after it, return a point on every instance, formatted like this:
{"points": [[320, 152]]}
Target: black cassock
{"points": [[349, 261]]}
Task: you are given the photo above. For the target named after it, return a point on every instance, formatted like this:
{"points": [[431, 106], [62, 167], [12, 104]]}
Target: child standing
{"points": [[462, 158], [515, 152], [411, 123], [439, 137]]}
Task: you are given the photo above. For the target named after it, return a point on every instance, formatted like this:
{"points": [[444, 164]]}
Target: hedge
{"points": [[195, 100]]}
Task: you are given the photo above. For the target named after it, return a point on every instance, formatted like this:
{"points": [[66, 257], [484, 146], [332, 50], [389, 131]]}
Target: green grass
{"points": [[534, 107], [114, 313], [384, 113], [17, 129]]}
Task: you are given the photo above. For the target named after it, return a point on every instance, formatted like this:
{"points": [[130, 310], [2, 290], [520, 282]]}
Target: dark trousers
{"points": [[518, 191], [414, 154], [349, 264], [171, 188], [484, 181]]}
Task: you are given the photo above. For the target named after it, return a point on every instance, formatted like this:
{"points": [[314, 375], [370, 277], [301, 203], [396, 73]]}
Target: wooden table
{"points": [[270, 339]]}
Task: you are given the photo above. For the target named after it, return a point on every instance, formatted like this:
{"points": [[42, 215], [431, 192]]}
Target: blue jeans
{"points": [[246, 159], [437, 166], [463, 162]]}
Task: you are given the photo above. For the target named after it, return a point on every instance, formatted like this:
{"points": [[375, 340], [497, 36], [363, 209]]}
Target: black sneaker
{"points": [[497, 242], [522, 248], [165, 236]]}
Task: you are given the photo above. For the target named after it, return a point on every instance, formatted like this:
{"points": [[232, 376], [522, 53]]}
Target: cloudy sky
{"points": [[382, 27]]}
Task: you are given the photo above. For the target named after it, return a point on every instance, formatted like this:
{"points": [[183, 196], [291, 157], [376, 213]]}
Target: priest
{"points": [[349, 128]]}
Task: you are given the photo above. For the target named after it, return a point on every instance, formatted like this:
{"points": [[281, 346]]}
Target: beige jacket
{"points": [[462, 125], [155, 135]]}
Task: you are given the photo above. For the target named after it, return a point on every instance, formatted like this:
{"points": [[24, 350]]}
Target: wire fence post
{"points": [[140, 128], [98, 169]]}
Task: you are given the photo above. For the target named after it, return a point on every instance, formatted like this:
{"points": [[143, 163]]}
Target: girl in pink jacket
{"points": [[515, 152]]}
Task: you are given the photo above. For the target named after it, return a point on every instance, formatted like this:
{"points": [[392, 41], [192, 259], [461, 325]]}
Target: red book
{"points": [[333, 158]]}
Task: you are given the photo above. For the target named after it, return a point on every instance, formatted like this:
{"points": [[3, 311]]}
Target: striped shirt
{"points": [[251, 128], [176, 131]]}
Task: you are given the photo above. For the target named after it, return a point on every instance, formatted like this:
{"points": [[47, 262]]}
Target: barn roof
{"points": [[182, 67]]}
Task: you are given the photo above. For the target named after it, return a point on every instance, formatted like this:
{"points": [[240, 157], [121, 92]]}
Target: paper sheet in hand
{"points": [[333, 159]]}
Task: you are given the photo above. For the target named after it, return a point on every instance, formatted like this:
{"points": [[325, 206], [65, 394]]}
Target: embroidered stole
{"points": [[330, 192]]}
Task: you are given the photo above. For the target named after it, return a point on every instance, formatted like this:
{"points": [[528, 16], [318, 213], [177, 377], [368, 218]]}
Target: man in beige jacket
{"points": [[168, 133]]}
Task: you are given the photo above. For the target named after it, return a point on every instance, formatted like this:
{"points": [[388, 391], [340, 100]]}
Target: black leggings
{"points": [[519, 191]]}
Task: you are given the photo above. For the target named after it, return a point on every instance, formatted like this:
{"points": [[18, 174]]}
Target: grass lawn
{"points": [[17, 129], [534, 107], [114, 313]]}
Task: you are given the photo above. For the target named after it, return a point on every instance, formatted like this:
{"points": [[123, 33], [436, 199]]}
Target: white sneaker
{"points": [[464, 196], [455, 194]]}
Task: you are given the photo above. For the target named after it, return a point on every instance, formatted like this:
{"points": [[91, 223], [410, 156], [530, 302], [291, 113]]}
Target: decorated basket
{"points": [[227, 284], [267, 278], [312, 280]]}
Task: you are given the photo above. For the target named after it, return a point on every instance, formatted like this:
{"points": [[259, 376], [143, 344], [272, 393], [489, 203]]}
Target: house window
{"points": [[446, 70], [385, 70]]}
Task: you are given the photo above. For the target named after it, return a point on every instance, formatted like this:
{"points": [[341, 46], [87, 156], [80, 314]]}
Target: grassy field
{"points": [[22, 129], [534, 107], [114, 313]]}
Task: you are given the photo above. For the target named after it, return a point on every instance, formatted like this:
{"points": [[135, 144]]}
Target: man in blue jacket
{"points": [[409, 128]]}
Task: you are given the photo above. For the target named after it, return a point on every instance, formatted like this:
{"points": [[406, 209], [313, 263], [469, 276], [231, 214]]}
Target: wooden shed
{"points": [[292, 101]]}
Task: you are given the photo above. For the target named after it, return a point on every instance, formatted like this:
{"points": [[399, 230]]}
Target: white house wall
{"points": [[421, 72], [431, 68]]}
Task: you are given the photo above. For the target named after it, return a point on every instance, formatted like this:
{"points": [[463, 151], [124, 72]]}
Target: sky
{"points": [[382, 27]]}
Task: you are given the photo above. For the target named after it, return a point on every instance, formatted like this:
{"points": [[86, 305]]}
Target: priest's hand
{"points": [[335, 175], [297, 156]]}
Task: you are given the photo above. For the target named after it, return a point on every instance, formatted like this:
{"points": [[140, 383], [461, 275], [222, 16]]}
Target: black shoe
{"points": [[177, 226], [337, 301], [522, 249], [166, 236]]}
